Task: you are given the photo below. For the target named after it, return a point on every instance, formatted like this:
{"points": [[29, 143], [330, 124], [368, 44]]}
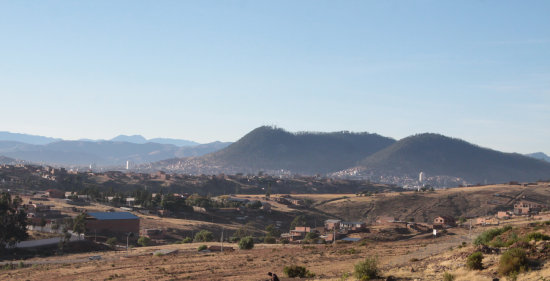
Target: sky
{"points": [[215, 70]]}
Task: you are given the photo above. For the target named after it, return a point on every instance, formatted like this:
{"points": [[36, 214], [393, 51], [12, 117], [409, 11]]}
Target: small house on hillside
{"points": [[526, 208], [487, 221], [55, 193], [298, 233], [332, 224], [353, 225], [444, 221]]}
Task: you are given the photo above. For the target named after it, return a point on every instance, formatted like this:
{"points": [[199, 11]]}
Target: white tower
{"points": [[127, 165], [421, 177]]}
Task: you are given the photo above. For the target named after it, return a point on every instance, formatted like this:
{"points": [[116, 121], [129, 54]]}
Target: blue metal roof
{"points": [[113, 216], [351, 239]]}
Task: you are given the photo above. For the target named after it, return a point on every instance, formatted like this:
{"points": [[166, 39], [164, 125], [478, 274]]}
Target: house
{"points": [[353, 225], [444, 221], [298, 233], [55, 193], [526, 208], [504, 215], [112, 223], [130, 201], [332, 224]]}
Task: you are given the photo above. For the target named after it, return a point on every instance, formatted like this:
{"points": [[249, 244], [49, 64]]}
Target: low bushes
{"points": [[448, 277], [270, 240], [204, 236], [475, 261], [202, 248], [487, 236], [297, 271], [537, 236], [246, 243], [366, 269], [513, 261], [144, 241]]}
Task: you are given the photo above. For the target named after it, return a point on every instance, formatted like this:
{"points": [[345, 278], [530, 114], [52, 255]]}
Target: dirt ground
{"points": [[328, 262]]}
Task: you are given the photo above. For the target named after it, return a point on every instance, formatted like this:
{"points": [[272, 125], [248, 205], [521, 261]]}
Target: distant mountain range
{"points": [[141, 140], [115, 152], [276, 151], [25, 138], [40, 140], [540, 155]]}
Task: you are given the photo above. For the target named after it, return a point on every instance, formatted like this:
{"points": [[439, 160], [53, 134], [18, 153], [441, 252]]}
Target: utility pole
{"points": [[222, 240]]}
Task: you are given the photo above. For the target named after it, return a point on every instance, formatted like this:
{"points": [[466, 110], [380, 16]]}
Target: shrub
{"points": [[246, 243], [235, 239], [112, 242], [448, 277], [297, 271], [537, 236], [204, 236], [144, 241], [311, 236], [187, 240], [475, 261], [270, 240], [202, 248], [284, 241], [487, 236], [366, 269], [513, 261]]}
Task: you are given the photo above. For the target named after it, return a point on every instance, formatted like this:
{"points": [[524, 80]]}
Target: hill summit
{"points": [[436, 154], [274, 149]]}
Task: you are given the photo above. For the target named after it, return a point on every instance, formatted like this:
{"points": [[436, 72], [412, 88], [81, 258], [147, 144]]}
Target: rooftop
{"points": [[113, 216]]}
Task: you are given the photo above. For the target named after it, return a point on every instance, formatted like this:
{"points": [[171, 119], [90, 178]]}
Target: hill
{"points": [[26, 138], [7, 160], [275, 150], [101, 153], [425, 206], [539, 155], [141, 140], [438, 155]]}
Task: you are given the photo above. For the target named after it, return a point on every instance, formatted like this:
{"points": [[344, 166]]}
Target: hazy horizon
{"points": [[207, 71]]}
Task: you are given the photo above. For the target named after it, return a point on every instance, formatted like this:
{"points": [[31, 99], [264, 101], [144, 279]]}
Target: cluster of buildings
{"points": [[332, 230]]}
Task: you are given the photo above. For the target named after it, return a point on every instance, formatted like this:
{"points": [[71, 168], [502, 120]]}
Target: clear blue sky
{"points": [[214, 70]]}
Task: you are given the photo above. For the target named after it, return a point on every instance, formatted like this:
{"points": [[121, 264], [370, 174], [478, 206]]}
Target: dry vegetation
{"points": [[418, 258]]}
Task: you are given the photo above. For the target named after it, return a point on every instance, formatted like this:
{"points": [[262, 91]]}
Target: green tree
{"points": [[272, 231], [79, 224], [300, 220], [204, 236], [311, 236], [246, 243], [14, 221]]}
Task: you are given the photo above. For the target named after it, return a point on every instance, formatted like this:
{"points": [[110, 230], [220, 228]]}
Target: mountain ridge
{"points": [[436, 154]]}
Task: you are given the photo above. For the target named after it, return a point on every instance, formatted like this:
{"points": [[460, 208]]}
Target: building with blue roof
{"points": [[109, 224]]}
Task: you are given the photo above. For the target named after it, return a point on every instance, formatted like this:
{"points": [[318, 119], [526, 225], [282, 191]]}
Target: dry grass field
{"points": [[418, 258], [328, 262]]}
